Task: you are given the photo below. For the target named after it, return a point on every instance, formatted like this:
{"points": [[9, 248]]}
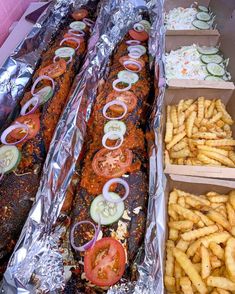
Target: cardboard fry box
{"points": [[187, 37], [193, 90], [193, 185]]}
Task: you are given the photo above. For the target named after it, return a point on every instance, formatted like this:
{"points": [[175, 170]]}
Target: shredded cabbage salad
{"points": [[181, 19], [185, 63]]}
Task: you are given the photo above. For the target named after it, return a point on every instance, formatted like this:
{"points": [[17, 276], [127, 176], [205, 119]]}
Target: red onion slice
{"points": [[73, 39], [90, 243], [88, 22], [15, 126], [115, 102], [134, 48], [55, 59], [33, 101], [133, 42], [79, 34], [134, 54], [39, 79], [106, 187], [132, 62], [138, 27], [117, 81], [109, 136]]}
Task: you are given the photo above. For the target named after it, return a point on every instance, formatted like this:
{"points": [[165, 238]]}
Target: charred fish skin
{"points": [[91, 184], [18, 188]]}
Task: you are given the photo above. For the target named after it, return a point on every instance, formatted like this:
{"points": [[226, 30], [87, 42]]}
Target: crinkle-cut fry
{"points": [[180, 161], [182, 245], [174, 118], [173, 234], [181, 119], [218, 157], [230, 258], [220, 134], [215, 262], [182, 193], [226, 116], [169, 282], [194, 202], [220, 142], [186, 285], [212, 149], [220, 282], [198, 233], [232, 198], [215, 118], [190, 122], [180, 154], [177, 274], [181, 201], [222, 291], [173, 197], [197, 267], [205, 263], [217, 250], [219, 237], [180, 106], [231, 214], [204, 135], [175, 140], [207, 160], [172, 214], [231, 155], [202, 129], [181, 225], [204, 218], [190, 270], [193, 247], [168, 113], [195, 129], [210, 110], [191, 108], [199, 141], [201, 109], [169, 132], [207, 103], [187, 104], [178, 130], [219, 198], [169, 267], [220, 123], [186, 213], [196, 161], [167, 157], [179, 146], [218, 218]]}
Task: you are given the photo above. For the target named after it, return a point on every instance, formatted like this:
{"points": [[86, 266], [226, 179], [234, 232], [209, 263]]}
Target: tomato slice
{"points": [[104, 264], [72, 43], [128, 97], [140, 36], [32, 121], [112, 163], [54, 70], [131, 66], [79, 14]]}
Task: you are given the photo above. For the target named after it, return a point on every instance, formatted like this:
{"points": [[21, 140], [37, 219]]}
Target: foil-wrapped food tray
{"points": [[36, 265]]}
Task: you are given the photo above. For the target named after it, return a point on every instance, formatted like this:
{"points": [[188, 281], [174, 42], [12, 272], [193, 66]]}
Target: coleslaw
{"points": [[181, 19]]}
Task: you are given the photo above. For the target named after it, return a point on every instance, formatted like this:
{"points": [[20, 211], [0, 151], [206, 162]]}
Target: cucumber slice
{"points": [[211, 58], [128, 77], [213, 78], [215, 69], [204, 16], [207, 50], [65, 52], [77, 25], [10, 157], [45, 94], [115, 125], [107, 212], [203, 8], [201, 25]]}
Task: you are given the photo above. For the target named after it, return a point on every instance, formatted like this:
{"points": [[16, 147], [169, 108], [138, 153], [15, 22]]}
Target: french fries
{"points": [[200, 257], [199, 133]]}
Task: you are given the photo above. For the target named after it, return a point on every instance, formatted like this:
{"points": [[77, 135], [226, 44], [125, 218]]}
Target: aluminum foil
{"points": [[36, 253]]}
